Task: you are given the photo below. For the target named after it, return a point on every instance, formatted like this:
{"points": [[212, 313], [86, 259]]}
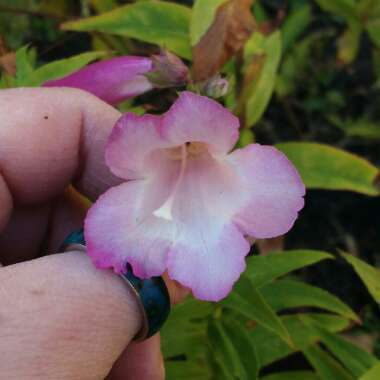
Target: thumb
{"points": [[63, 319]]}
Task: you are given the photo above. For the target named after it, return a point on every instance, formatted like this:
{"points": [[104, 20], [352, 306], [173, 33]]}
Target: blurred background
{"points": [[325, 88]]}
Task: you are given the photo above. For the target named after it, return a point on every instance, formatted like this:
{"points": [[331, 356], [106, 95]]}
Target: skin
{"points": [[60, 317]]}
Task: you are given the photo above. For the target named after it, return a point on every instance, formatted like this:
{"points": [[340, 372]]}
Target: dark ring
{"points": [[152, 293]]}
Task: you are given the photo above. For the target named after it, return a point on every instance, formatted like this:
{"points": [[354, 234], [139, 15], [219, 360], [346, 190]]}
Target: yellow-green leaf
{"points": [[158, 22], [292, 375], [369, 275], [264, 269], [261, 88], [270, 347], [325, 167], [372, 374], [202, 16], [285, 294], [61, 68]]}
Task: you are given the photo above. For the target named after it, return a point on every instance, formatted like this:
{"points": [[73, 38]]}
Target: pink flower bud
{"points": [[167, 71]]}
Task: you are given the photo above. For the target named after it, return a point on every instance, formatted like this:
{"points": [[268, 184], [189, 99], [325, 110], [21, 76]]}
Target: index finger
{"points": [[50, 137]]}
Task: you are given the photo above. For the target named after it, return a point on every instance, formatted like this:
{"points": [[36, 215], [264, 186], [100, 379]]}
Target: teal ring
{"points": [[152, 293]]}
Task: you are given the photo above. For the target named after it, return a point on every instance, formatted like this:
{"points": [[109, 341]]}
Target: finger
{"points": [[22, 237], [47, 138], [63, 319], [50, 136], [140, 361]]}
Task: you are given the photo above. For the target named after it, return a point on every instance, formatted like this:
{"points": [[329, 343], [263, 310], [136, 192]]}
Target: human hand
{"points": [[60, 318]]}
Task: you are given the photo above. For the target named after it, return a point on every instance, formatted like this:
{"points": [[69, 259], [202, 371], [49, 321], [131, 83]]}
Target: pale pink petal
{"points": [[208, 259], [132, 139], [120, 228], [198, 118], [272, 189], [112, 80], [208, 251]]}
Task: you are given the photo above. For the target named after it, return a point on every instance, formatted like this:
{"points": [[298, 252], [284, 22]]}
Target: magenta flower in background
{"points": [[189, 203], [112, 80]]}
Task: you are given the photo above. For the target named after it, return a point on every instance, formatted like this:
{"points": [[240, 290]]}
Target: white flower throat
{"points": [[183, 153]]}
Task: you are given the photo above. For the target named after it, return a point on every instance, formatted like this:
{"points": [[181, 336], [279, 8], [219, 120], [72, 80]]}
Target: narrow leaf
{"points": [[343, 8], [270, 347], [224, 352], [292, 375], [325, 167], [158, 22], [247, 300], [244, 345], [24, 65], [285, 294], [186, 370], [264, 269], [325, 365], [62, 67], [261, 84], [295, 24], [369, 275], [357, 360], [372, 374]]}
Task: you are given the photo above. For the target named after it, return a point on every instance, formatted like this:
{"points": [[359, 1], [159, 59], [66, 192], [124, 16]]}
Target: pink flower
{"points": [[188, 202], [112, 80], [117, 79]]}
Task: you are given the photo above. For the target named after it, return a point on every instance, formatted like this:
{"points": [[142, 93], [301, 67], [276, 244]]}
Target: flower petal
{"points": [[272, 187], [208, 260], [198, 118], [208, 252], [112, 80], [131, 140], [120, 228]]}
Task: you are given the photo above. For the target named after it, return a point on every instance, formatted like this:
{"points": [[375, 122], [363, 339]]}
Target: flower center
{"points": [[191, 149], [183, 152]]}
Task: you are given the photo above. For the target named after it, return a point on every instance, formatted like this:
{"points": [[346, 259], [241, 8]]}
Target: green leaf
{"points": [[354, 358], [186, 370], [62, 67], [285, 294], [203, 14], [247, 300], [325, 167], [245, 347], [373, 29], [192, 309], [189, 317], [24, 65], [264, 269], [294, 25], [362, 127], [325, 365], [348, 44], [224, 351], [270, 347], [292, 375], [260, 90], [190, 341], [158, 22], [372, 374], [369, 275], [343, 8]]}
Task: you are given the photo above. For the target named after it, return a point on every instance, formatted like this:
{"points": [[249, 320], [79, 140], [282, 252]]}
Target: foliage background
{"points": [[307, 80]]}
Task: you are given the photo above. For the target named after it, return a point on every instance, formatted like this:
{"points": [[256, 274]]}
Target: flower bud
{"points": [[167, 71], [215, 87]]}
